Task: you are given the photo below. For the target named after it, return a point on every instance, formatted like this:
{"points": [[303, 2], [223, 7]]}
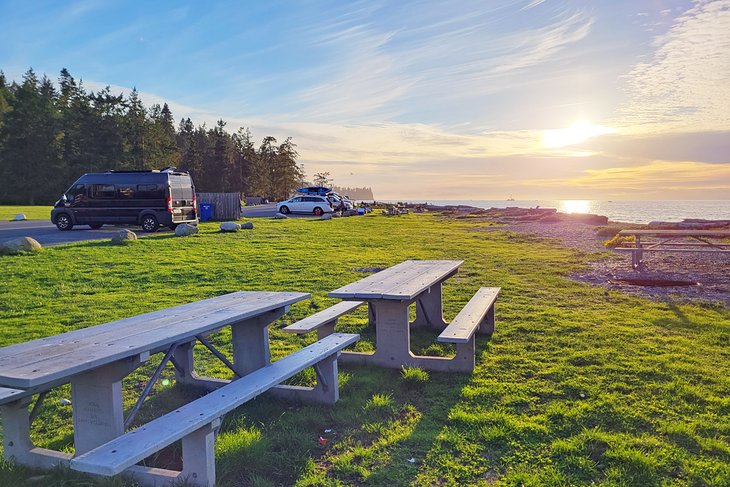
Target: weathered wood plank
{"points": [[117, 331], [402, 282], [8, 395], [644, 249], [465, 324], [76, 340], [411, 289], [124, 451], [678, 233], [325, 316], [58, 357]]}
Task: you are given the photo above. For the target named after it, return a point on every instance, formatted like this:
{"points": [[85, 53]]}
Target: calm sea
{"points": [[621, 211]]}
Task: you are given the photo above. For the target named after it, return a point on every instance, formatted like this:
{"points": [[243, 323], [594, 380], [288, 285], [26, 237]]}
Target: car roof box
{"points": [[315, 190]]}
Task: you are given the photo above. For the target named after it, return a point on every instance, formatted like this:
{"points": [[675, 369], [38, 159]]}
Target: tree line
{"points": [[49, 136]]}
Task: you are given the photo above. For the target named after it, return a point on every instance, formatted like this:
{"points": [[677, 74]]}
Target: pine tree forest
{"points": [[50, 134]]}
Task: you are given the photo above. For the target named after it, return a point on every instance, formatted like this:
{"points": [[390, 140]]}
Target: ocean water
{"points": [[620, 211]]}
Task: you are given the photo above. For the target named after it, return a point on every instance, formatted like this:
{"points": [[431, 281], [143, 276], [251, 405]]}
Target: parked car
{"points": [[315, 205], [146, 198]]}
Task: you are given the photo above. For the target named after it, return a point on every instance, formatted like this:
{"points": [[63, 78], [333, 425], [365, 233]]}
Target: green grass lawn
{"points": [[578, 386], [30, 212]]}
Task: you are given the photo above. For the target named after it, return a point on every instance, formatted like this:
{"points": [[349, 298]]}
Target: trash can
{"points": [[206, 212]]}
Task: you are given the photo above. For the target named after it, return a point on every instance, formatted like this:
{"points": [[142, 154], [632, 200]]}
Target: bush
{"points": [[620, 241]]}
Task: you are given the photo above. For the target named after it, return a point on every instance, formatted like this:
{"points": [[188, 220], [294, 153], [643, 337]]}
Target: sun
{"points": [[578, 132]]}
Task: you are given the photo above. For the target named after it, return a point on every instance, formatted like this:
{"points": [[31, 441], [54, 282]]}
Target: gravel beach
{"points": [[710, 271]]}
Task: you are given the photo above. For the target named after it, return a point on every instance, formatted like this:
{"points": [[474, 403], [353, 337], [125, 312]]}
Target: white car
{"points": [[313, 205]]}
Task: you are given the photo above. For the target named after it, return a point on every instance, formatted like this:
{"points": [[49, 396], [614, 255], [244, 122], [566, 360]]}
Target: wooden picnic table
{"points": [[389, 293], [673, 241], [95, 360]]}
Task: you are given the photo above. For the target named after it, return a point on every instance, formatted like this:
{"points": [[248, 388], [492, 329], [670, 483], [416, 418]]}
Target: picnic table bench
{"points": [[95, 360], [673, 241], [389, 293]]}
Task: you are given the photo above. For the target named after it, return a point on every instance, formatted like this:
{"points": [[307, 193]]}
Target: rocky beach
{"points": [[704, 276]]}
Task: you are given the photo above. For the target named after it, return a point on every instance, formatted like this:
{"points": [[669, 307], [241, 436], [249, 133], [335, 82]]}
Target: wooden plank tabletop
{"points": [[678, 233], [56, 357], [401, 282]]}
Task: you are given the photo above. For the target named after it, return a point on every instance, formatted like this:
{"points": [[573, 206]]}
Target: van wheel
{"points": [[150, 223], [63, 222], [284, 210], [318, 211], [96, 226]]}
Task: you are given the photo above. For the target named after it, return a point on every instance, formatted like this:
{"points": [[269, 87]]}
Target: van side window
{"points": [[103, 191], [126, 192], [148, 191]]}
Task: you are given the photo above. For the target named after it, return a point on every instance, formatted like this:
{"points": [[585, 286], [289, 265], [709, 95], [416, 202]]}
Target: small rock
{"points": [[582, 396], [21, 244], [280, 216], [411, 460], [247, 226], [124, 235], [65, 402], [230, 227], [326, 216], [185, 229], [19, 217]]}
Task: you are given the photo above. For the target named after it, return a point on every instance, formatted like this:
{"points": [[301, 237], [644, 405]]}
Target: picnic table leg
{"points": [[198, 456], [393, 337], [429, 309], [16, 429], [184, 357], [96, 397], [17, 444], [250, 340]]}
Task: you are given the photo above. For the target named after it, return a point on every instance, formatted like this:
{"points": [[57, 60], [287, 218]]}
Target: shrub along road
{"points": [[579, 385]]}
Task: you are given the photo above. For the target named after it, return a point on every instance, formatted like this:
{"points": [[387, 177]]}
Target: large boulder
{"points": [[326, 216], [185, 229], [21, 244], [230, 227], [19, 217], [247, 226], [280, 216], [124, 235]]}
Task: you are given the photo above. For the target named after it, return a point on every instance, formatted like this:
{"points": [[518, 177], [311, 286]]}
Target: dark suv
{"points": [[146, 198]]}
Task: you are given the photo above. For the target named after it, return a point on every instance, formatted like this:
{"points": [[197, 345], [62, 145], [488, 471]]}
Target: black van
{"points": [[147, 198]]}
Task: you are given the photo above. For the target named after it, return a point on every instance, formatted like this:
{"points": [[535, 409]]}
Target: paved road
{"points": [[47, 234], [259, 211]]}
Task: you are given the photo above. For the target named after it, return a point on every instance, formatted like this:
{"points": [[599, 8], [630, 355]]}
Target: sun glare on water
{"points": [[575, 134], [575, 206]]}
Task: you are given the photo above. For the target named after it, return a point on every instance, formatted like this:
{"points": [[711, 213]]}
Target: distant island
{"points": [[355, 193]]}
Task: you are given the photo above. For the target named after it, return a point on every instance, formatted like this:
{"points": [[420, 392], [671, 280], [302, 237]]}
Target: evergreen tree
{"points": [[49, 137]]}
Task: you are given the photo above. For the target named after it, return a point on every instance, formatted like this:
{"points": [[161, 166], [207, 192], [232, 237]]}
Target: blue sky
{"points": [[425, 99]]}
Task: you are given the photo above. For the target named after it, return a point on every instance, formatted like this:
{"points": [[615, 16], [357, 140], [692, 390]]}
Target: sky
{"points": [[424, 100]]}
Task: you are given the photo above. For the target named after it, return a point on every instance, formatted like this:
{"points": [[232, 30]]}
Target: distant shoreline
{"points": [[630, 212]]}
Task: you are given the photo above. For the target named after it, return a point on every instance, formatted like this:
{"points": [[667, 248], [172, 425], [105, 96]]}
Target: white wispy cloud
{"points": [[686, 84], [705, 180], [382, 72]]}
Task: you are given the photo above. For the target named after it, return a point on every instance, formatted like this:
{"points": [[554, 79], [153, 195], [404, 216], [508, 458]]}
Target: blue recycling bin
{"points": [[206, 212]]}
